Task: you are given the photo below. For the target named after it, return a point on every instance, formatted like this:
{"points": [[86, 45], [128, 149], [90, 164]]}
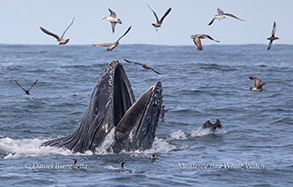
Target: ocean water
{"points": [[254, 147]]}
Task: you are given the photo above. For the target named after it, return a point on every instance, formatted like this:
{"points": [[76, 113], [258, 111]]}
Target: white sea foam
{"points": [[178, 135], [120, 169], [31, 147], [112, 168], [203, 132], [105, 147], [159, 146]]}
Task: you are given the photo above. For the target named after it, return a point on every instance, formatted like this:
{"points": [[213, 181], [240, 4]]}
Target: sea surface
{"points": [[254, 147]]}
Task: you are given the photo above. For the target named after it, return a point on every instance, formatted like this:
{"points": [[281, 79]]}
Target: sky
{"points": [[21, 19]]}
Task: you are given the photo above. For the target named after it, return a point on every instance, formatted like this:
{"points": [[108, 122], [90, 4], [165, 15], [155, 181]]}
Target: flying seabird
{"points": [[196, 39], [112, 19], [159, 22], [112, 45], [163, 111], [273, 37], [143, 65], [27, 91], [59, 39], [221, 15], [257, 84]]}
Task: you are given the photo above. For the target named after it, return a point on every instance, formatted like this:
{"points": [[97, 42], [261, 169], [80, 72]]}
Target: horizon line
{"points": [[141, 44]]}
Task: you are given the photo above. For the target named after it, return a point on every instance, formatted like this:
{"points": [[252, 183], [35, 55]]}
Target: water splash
{"points": [[126, 170], [178, 135], [159, 146], [203, 132], [31, 147], [106, 146]]}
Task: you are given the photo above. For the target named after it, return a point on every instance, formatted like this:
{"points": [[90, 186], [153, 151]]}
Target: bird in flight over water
{"points": [[163, 111], [114, 44], [143, 65], [27, 92], [273, 37], [113, 19], [221, 15], [61, 39], [159, 22], [257, 85], [196, 39]]}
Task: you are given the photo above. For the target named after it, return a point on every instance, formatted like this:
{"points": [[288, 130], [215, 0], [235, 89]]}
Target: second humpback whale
{"points": [[112, 106]]}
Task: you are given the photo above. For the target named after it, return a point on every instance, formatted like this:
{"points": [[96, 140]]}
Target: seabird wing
{"points": [[113, 24], [33, 85], [231, 15], [207, 124], [260, 86], [209, 37], [127, 61], [138, 63], [124, 34], [166, 13], [270, 45], [211, 22], [158, 21], [50, 33], [67, 28], [112, 13], [256, 81], [274, 29], [20, 86], [103, 45], [155, 70], [197, 43], [113, 46]]}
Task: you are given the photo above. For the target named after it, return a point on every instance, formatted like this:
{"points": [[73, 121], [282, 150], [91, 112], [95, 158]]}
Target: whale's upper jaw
{"points": [[110, 99], [136, 130], [113, 96]]}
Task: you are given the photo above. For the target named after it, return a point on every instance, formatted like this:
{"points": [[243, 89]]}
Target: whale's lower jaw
{"points": [[137, 129]]}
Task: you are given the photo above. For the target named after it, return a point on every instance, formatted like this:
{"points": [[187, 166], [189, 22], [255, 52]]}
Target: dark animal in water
{"points": [[212, 127]]}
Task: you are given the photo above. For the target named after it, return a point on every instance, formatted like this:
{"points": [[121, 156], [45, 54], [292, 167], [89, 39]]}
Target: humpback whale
{"points": [[112, 106]]}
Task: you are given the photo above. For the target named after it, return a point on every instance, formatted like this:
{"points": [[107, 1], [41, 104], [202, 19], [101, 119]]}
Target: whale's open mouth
{"points": [[112, 104]]}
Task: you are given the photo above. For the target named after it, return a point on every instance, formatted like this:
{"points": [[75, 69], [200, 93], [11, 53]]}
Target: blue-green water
{"points": [[254, 148]]}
